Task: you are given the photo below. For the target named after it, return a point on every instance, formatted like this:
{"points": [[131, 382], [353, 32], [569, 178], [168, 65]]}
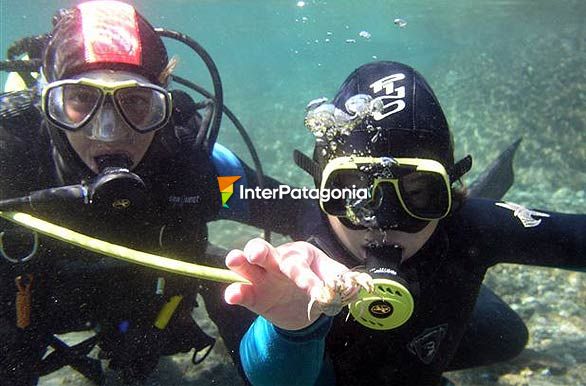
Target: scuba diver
{"points": [[100, 144], [409, 257]]}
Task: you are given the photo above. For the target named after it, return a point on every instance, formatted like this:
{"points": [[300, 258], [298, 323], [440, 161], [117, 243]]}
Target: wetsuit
{"points": [[457, 323], [73, 289]]}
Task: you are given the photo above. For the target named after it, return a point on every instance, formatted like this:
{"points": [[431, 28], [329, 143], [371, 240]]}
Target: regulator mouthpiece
{"points": [[118, 188], [391, 303]]}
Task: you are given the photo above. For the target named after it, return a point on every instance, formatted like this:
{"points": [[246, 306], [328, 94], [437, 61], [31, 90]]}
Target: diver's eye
{"points": [[78, 101], [142, 106], [80, 96]]}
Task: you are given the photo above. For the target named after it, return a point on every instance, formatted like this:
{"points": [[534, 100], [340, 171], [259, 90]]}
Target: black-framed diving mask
{"points": [[417, 188], [71, 104]]}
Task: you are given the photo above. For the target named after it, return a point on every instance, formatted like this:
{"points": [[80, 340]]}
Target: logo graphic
{"points": [[426, 344], [380, 309], [523, 214], [121, 203], [227, 188], [393, 101]]}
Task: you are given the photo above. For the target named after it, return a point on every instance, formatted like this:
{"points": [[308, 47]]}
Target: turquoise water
{"points": [[501, 69]]}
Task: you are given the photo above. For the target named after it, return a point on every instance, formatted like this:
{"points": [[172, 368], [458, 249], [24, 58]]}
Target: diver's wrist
{"points": [[315, 331]]}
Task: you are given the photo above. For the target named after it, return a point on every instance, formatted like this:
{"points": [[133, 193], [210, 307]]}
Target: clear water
{"points": [[501, 69]]}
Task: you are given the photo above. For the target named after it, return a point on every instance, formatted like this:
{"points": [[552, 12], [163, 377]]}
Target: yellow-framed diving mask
{"points": [[421, 187], [70, 104]]}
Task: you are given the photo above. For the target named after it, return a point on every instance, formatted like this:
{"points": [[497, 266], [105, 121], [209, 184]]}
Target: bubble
{"points": [[301, 4], [359, 105], [364, 34], [315, 103], [400, 22], [350, 40], [377, 105]]}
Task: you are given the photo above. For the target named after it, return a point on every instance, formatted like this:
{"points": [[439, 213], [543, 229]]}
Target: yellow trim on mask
{"points": [[420, 164]]}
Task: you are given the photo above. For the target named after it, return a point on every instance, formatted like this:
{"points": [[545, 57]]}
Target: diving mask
{"points": [[418, 187], [72, 104]]}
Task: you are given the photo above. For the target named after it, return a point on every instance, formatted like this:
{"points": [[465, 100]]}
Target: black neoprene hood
{"points": [[78, 45], [411, 123]]}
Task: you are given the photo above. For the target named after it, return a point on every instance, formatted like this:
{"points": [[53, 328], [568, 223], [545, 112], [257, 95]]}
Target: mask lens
{"points": [[425, 194], [143, 107], [71, 105], [339, 180]]}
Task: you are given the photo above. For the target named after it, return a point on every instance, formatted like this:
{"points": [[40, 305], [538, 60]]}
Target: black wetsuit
{"points": [[457, 323], [73, 289]]}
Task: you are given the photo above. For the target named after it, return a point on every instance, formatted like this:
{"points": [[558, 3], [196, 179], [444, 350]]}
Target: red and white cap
{"points": [[103, 34]]}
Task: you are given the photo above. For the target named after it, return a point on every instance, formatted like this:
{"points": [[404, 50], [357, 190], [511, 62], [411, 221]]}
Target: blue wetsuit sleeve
{"points": [[272, 356]]}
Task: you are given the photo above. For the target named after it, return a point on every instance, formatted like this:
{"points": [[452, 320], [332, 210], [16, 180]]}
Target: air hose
{"points": [[122, 253]]}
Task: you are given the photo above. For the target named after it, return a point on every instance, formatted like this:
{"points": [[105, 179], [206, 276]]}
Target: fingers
{"points": [[240, 294], [295, 261], [326, 267], [236, 260], [257, 257], [261, 253]]}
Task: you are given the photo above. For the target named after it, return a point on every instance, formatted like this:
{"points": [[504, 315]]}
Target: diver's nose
{"points": [[108, 126]]}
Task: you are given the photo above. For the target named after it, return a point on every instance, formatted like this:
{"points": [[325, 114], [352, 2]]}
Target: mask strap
{"points": [[307, 164], [460, 168]]}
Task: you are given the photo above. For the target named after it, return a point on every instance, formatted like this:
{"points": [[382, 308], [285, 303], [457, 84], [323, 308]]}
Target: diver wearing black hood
{"points": [[103, 117], [425, 246]]}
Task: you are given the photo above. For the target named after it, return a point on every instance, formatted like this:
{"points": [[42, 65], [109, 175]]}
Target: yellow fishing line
{"points": [[123, 253]]}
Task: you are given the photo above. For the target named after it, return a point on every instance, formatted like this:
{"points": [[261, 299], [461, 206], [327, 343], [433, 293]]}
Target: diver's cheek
{"points": [[84, 148]]}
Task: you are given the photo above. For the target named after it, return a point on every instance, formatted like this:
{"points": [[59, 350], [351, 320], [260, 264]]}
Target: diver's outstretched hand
{"points": [[283, 280]]}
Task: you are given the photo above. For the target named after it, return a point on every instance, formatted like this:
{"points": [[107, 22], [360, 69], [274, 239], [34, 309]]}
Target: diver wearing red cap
{"points": [[145, 165]]}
